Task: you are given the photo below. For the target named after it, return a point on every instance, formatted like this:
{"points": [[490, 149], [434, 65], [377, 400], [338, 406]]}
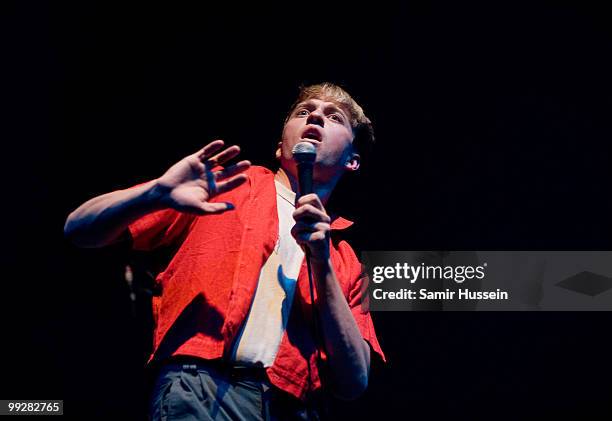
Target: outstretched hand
{"points": [[189, 184]]}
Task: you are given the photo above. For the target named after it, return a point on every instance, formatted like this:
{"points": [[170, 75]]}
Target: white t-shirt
{"points": [[260, 336]]}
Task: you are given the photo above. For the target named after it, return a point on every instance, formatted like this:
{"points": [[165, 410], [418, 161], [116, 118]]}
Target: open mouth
{"points": [[312, 134]]}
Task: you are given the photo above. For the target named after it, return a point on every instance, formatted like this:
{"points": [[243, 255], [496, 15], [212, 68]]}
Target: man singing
{"points": [[234, 335]]}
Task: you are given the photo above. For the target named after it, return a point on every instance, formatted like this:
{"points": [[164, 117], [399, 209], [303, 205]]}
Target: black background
{"points": [[492, 124]]}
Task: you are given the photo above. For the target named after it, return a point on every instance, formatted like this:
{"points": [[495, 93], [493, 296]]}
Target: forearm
{"points": [[348, 353], [102, 220]]}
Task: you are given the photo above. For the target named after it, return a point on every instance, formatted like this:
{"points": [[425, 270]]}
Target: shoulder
{"points": [[257, 172], [347, 252], [258, 178], [261, 183], [348, 261]]}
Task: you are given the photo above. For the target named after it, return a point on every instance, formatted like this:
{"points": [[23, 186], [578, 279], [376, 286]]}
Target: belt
{"points": [[218, 366]]}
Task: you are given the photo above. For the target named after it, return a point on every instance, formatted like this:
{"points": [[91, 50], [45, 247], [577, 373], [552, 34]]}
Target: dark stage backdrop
{"points": [[493, 129]]}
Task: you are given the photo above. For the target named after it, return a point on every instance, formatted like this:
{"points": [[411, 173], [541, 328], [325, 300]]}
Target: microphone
{"points": [[304, 154]]}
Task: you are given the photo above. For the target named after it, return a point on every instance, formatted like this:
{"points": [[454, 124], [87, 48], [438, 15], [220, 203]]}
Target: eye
{"points": [[302, 112], [337, 117]]}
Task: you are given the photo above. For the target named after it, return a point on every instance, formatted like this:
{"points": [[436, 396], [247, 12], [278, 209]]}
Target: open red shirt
{"points": [[208, 286]]}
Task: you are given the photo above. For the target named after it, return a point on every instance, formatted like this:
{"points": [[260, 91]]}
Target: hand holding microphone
{"points": [[312, 228]]}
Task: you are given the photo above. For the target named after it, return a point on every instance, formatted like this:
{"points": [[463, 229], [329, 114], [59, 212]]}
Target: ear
{"points": [[278, 150], [352, 164]]}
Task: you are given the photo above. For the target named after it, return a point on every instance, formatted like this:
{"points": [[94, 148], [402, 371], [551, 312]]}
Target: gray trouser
{"points": [[198, 390]]}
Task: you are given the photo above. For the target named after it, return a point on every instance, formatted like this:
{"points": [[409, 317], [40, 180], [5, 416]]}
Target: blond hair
{"points": [[326, 91]]}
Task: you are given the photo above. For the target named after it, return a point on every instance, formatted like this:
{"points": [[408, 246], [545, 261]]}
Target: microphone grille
{"points": [[306, 148]]}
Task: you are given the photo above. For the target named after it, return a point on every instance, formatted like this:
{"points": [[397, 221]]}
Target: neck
{"points": [[323, 190]]}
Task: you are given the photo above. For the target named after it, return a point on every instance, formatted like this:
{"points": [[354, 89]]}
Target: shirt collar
{"points": [[340, 223]]}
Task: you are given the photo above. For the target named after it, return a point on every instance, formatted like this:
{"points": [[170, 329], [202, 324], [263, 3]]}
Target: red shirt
{"points": [[208, 286]]}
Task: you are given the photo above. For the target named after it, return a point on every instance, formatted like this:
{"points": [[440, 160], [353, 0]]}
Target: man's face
{"points": [[327, 126]]}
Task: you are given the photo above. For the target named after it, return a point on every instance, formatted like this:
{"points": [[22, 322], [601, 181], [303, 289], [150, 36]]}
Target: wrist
{"points": [[320, 253], [320, 265], [156, 195]]}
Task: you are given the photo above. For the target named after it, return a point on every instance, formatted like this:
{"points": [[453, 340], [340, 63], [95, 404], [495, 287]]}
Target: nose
{"points": [[316, 117]]}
